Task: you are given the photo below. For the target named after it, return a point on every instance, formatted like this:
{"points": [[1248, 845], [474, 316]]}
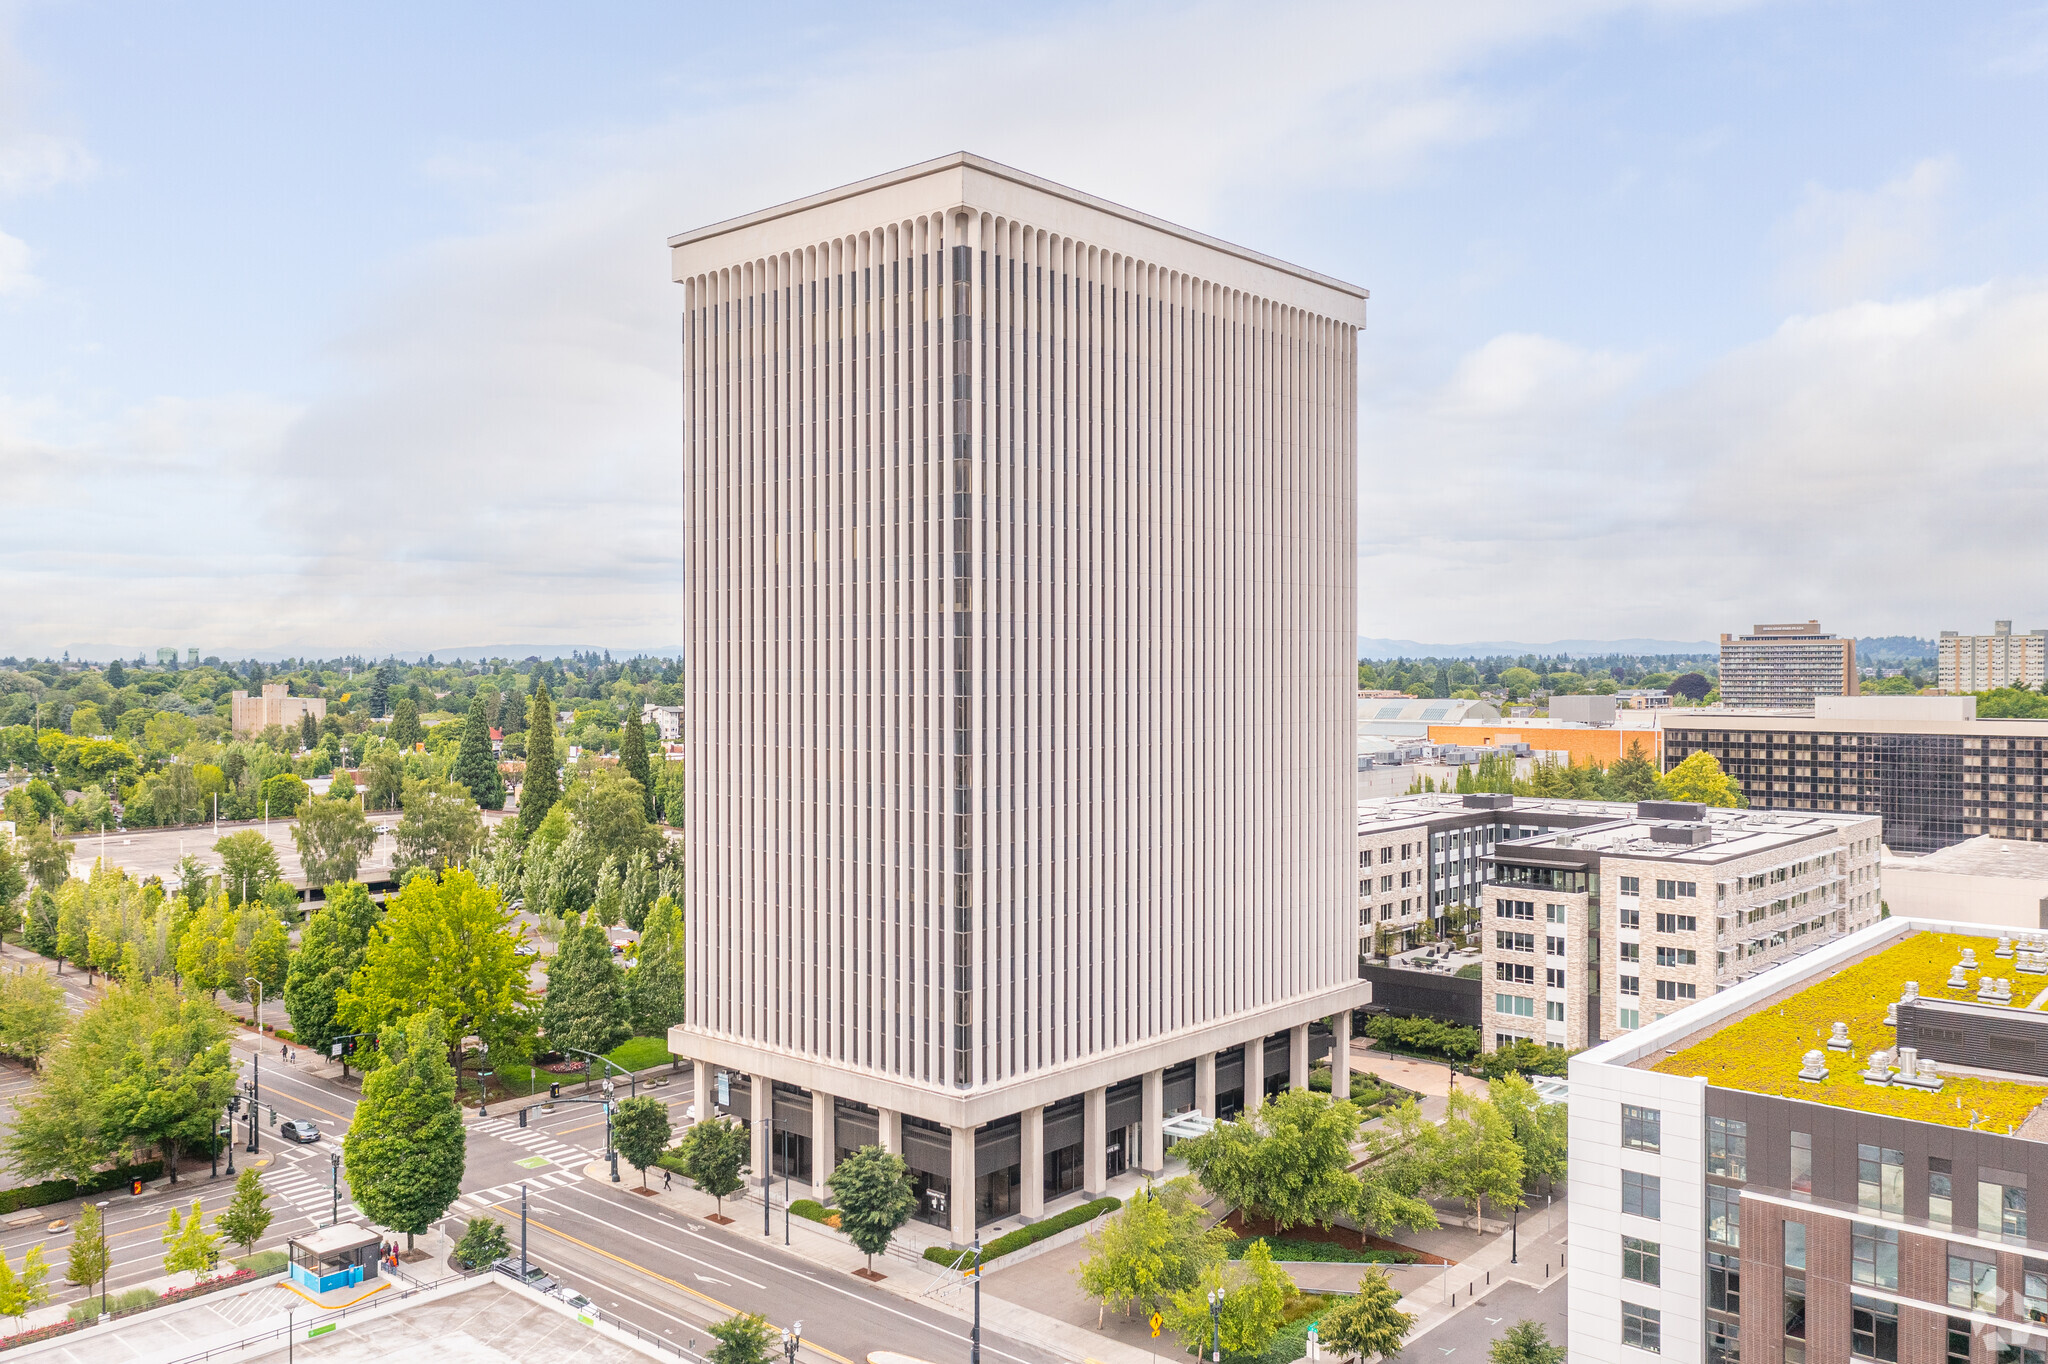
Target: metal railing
{"points": [[639, 1333], [280, 1332]]}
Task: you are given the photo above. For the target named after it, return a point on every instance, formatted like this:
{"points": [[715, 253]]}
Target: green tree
{"points": [[585, 1007], [13, 884], [47, 857], [875, 1194], [282, 794], [742, 1339], [383, 778], [31, 1015], [247, 1217], [405, 1143], [206, 953], [543, 784], [445, 945], [1254, 1304], [655, 1000], [167, 1070], [192, 1247], [330, 950], [268, 955], [1155, 1247], [714, 1153], [1700, 778], [1539, 1128], [640, 1131], [1526, 1342], [610, 808], [333, 837], [19, 1293], [248, 863], [1478, 1157], [89, 1257], [1369, 1323], [405, 724], [476, 767], [439, 829], [633, 757], [483, 1243], [309, 732], [74, 924], [1634, 777], [39, 923], [1692, 686], [1402, 1158], [1289, 1160]]}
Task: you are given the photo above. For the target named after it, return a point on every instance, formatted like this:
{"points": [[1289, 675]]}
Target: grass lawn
{"points": [[516, 1080], [1761, 1053]]}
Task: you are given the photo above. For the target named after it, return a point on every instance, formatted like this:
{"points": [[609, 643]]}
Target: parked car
{"points": [[535, 1277], [525, 949], [573, 1298], [299, 1129]]}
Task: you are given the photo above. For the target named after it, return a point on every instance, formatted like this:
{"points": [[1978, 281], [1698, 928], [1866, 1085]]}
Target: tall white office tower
{"points": [[1020, 629]]}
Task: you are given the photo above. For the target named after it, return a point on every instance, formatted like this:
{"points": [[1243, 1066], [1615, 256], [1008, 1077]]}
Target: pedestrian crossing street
{"points": [[539, 1142], [480, 1199], [305, 1179]]}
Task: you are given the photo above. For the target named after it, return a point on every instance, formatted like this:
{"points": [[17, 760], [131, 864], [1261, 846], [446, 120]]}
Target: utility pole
{"points": [[334, 1163], [522, 1233], [975, 1357]]}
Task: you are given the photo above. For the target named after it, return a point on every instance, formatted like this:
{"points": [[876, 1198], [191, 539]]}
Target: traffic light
{"points": [[234, 1103], [273, 1115]]}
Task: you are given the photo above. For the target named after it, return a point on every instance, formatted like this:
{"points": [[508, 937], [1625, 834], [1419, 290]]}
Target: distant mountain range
{"points": [[104, 652], [1576, 648]]}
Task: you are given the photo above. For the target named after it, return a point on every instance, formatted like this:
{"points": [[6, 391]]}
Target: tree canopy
{"points": [[585, 1007], [330, 950], [640, 1132], [1288, 1160], [446, 945], [1700, 778], [875, 1194], [333, 838], [405, 1143], [1157, 1245]]}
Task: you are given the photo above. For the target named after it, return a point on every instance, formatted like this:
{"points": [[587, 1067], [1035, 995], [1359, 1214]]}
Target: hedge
{"points": [[1024, 1236], [41, 1333], [57, 1190], [1425, 1035], [1326, 1252], [810, 1209]]}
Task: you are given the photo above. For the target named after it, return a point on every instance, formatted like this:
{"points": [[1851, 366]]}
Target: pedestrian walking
{"points": [[664, 1180]]}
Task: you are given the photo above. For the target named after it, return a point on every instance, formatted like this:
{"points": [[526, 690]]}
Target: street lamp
{"points": [[334, 1162], [1515, 1237], [792, 1339], [483, 1092], [1216, 1326], [251, 980], [105, 1258], [975, 1354]]}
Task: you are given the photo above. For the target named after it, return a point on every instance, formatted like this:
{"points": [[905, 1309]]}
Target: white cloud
{"points": [[38, 161], [1845, 245], [1879, 465], [15, 275]]}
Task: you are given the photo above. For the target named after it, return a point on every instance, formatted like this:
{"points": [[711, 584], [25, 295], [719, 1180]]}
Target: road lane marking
{"points": [[800, 1274]]}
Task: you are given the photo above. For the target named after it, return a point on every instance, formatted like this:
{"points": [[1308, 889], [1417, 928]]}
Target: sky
{"points": [[328, 329]]}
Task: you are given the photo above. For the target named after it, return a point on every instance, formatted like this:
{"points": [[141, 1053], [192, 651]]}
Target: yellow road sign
{"points": [[1157, 1322]]}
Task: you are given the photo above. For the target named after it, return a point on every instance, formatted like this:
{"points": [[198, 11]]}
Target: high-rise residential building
{"points": [[1020, 620], [1596, 917], [1936, 773], [1786, 665], [1833, 1161], [1968, 663]]}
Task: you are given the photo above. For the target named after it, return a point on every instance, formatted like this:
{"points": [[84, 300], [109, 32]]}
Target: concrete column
{"points": [[1254, 1075], [889, 1130], [1031, 1162], [705, 1094], [1297, 1056], [1152, 1154], [764, 1112], [824, 1141], [1205, 1084], [1340, 1057], [962, 1206], [1095, 1143]]}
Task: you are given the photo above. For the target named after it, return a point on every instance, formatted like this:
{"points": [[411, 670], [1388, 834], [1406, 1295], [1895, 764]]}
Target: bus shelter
{"points": [[334, 1257]]}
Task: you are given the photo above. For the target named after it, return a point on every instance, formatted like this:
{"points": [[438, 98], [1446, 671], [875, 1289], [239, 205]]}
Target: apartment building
{"points": [[276, 706], [1020, 615], [1832, 1161], [1934, 772], [1967, 663], [1786, 665], [1597, 930]]}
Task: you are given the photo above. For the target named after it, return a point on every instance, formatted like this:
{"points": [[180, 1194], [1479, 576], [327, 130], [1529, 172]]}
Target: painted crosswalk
{"points": [[479, 1199], [541, 1143], [307, 1184]]}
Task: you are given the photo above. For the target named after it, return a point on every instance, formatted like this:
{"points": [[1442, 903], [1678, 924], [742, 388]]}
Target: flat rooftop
{"points": [[1730, 834], [1981, 856], [1759, 1049]]}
